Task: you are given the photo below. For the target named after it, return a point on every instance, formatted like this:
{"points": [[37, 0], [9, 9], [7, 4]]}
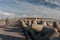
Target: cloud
{"points": [[14, 8], [41, 10], [6, 14], [45, 12]]}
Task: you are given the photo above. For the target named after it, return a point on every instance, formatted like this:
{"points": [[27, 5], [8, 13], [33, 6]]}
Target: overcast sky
{"points": [[34, 8]]}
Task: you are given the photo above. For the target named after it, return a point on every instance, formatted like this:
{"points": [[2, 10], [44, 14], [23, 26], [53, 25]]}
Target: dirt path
{"points": [[6, 33]]}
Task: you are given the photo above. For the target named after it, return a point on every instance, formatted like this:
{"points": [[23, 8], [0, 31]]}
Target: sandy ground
{"points": [[9, 33]]}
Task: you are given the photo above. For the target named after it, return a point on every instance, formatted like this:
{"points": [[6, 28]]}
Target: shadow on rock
{"points": [[7, 37]]}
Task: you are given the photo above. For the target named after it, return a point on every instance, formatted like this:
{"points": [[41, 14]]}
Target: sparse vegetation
{"points": [[44, 30]]}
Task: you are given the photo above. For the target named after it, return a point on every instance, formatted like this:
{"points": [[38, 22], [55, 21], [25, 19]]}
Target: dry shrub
{"points": [[49, 24], [23, 24], [45, 24], [55, 34], [37, 27], [56, 25], [25, 20]]}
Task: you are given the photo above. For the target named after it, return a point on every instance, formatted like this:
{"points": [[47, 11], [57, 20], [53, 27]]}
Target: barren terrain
{"points": [[9, 33]]}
